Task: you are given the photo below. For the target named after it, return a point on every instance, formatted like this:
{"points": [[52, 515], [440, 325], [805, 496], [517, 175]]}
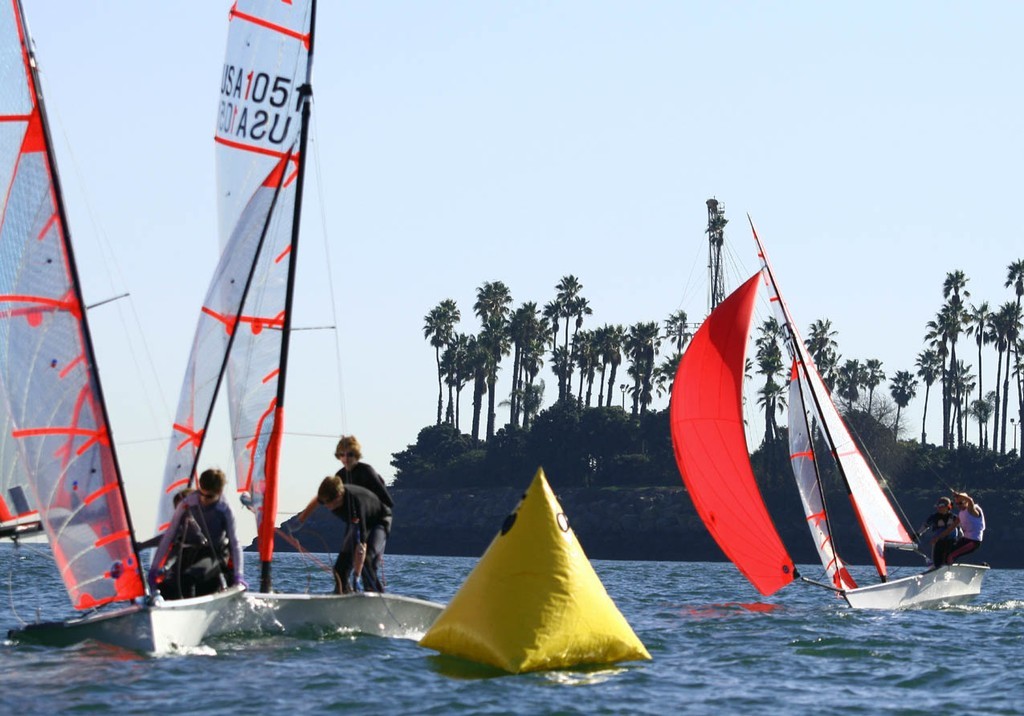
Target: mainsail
{"points": [[878, 520], [243, 332], [57, 445], [706, 417]]}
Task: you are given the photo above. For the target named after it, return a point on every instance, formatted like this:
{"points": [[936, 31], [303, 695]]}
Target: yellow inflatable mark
{"points": [[534, 602]]}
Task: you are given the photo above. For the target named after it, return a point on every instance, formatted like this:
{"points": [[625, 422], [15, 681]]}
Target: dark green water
{"points": [[717, 648]]}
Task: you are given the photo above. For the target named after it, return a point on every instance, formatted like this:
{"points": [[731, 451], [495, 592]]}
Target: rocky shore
{"points": [[644, 523]]}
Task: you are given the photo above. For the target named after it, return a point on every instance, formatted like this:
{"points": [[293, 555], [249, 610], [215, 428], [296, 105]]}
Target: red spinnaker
{"points": [[706, 417]]}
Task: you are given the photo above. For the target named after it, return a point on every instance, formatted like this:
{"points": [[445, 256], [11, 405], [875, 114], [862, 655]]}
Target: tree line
{"points": [[586, 362]]}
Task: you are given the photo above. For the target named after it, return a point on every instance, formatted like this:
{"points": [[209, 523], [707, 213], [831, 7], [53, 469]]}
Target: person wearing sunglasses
{"points": [[941, 541], [971, 520], [215, 560]]}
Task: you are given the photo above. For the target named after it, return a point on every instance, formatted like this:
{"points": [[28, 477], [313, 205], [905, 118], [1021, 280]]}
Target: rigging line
{"points": [[305, 553], [314, 141]]}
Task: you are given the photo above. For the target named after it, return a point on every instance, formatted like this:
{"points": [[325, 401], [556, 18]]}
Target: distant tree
{"points": [[492, 308], [439, 329], [873, 376], [642, 344], [822, 345], [903, 388], [929, 368], [769, 364]]}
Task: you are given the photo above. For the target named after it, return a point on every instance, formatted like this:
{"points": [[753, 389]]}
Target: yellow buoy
{"points": [[534, 602]]}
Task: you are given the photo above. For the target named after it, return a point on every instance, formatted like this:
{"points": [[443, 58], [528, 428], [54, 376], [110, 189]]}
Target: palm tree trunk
{"points": [[440, 387]]}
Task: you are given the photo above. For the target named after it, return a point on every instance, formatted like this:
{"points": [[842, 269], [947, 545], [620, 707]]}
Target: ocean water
{"points": [[716, 646]]}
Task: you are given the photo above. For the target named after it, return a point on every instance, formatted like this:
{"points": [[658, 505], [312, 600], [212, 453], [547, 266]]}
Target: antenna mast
{"points": [[716, 237]]}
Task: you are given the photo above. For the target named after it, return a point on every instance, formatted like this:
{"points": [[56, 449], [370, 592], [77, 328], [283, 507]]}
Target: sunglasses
{"points": [[208, 495], [340, 455]]}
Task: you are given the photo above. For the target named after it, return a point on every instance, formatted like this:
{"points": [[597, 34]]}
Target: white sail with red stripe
{"points": [[57, 448], [879, 523], [805, 470], [242, 337]]}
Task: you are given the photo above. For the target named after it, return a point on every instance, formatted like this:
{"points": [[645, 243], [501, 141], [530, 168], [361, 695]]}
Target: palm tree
{"points": [[1014, 278], [849, 381], [492, 308], [586, 355], [1013, 325], [677, 330], [438, 328], [568, 289], [527, 331], [978, 327], [458, 372], [478, 360], [612, 352], [954, 291], [982, 410], [772, 398], [769, 364], [642, 344], [903, 388], [929, 368], [963, 385], [822, 345], [873, 377]]}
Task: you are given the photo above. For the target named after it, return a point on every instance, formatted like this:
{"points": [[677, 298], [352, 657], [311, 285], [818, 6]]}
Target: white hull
{"points": [[159, 629], [385, 615], [956, 584]]}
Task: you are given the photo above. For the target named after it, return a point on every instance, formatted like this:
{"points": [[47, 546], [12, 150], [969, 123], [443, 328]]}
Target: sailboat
{"points": [[60, 466], [711, 452], [242, 337]]}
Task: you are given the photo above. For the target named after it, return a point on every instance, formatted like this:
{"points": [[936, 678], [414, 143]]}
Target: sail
{"points": [[878, 520], [706, 417], [805, 470], [264, 109], [53, 412], [219, 320]]}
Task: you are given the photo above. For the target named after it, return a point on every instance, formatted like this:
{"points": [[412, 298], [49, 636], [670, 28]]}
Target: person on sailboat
{"points": [[216, 560], [355, 472], [971, 520], [368, 522], [941, 541]]}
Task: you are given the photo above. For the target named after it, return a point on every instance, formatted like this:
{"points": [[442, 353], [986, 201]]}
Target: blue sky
{"points": [[876, 145]]}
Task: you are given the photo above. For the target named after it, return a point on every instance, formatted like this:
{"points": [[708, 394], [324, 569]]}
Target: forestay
{"points": [[56, 443]]}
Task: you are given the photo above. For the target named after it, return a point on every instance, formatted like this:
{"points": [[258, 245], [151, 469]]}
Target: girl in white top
{"points": [[971, 520]]}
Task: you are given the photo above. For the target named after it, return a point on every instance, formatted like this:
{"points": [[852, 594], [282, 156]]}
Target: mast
{"points": [[269, 514], [76, 287], [716, 238]]}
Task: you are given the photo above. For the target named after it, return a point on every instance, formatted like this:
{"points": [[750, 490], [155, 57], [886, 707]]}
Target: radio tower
{"points": [[716, 236]]}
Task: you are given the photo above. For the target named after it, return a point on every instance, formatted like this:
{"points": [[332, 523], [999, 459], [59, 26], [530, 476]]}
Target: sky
{"points": [[875, 145]]}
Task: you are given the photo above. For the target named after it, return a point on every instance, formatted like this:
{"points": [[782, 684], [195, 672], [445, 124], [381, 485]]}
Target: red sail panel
{"points": [[56, 439], [706, 417]]}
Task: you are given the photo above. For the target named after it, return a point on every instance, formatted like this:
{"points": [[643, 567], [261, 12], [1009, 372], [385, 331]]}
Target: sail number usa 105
{"points": [[254, 105]]}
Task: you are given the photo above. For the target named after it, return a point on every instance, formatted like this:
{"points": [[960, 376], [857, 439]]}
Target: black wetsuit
{"points": [[369, 521]]}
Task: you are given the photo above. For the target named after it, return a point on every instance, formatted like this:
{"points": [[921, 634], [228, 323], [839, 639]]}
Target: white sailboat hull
{"points": [[157, 629], [956, 584], [385, 615]]}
